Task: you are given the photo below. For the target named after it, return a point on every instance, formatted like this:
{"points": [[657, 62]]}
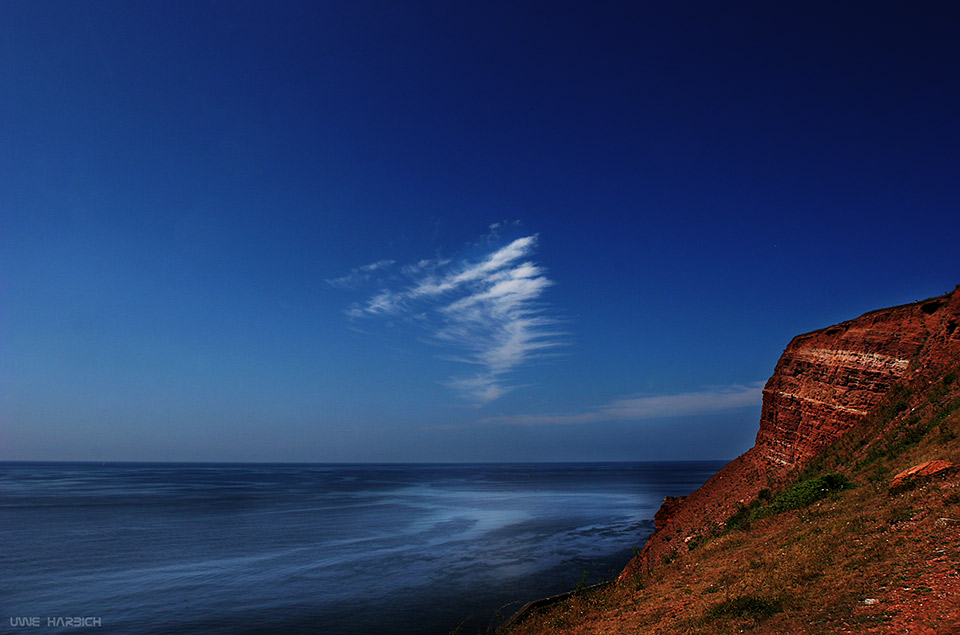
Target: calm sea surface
{"points": [[263, 548]]}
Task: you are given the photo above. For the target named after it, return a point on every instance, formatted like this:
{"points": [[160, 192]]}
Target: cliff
{"points": [[844, 517], [824, 383]]}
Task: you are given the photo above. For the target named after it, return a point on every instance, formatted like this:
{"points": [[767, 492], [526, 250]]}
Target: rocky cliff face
{"points": [[824, 383], [829, 379]]}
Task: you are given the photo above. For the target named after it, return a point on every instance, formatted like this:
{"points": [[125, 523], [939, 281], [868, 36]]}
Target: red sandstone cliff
{"points": [[824, 383]]}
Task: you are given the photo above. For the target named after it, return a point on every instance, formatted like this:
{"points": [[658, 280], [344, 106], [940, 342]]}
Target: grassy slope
{"points": [[810, 570]]}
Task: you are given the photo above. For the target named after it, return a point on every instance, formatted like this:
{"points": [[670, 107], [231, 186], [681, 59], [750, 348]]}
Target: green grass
{"points": [[809, 491], [749, 606], [805, 572], [797, 496]]}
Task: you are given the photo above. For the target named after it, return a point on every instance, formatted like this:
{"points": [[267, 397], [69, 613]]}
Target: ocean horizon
{"points": [[342, 548]]}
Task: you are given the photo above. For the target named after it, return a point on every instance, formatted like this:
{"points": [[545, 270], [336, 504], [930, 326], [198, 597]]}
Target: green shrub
{"points": [[744, 514], [809, 491], [797, 496]]}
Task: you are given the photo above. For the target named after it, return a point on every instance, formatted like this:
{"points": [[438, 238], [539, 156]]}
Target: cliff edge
{"points": [[844, 517], [824, 383]]}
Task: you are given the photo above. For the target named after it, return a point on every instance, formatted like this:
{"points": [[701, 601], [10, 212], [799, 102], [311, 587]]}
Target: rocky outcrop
{"points": [[824, 383], [829, 379], [670, 505], [922, 473]]}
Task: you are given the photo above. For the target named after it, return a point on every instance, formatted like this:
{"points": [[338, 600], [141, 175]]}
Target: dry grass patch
{"points": [[808, 566]]}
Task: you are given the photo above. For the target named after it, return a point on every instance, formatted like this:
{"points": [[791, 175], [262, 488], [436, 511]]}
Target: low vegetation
{"points": [[797, 496], [745, 606], [829, 550]]}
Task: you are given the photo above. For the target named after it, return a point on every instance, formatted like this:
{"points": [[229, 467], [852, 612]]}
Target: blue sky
{"points": [[379, 231]]}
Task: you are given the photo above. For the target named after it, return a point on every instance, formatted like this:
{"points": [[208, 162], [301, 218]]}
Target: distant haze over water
{"points": [[247, 548]]}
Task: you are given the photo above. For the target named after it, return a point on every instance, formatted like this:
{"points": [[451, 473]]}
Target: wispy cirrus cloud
{"points": [[360, 275], [487, 311], [640, 407]]}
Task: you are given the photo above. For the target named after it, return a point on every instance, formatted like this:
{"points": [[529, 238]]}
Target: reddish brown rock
{"points": [[669, 506], [922, 472], [824, 383]]}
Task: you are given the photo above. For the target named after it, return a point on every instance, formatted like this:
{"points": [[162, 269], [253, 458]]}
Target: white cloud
{"points": [[487, 309], [383, 302], [481, 388], [380, 264], [360, 275], [643, 407]]}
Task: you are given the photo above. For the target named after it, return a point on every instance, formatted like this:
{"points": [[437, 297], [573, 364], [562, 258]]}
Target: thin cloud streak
{"points": [[488, 310], [645, 407], [360, 275]]}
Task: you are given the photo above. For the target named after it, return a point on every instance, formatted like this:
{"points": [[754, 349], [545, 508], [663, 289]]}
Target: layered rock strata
{"points": [[921, 473], [823, 384]]}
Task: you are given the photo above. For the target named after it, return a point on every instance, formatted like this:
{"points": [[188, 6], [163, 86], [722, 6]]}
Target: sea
{"points": [[313, 548]]}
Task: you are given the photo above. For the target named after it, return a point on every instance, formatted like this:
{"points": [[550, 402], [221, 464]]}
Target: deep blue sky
{"points": [[382, 231]]}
